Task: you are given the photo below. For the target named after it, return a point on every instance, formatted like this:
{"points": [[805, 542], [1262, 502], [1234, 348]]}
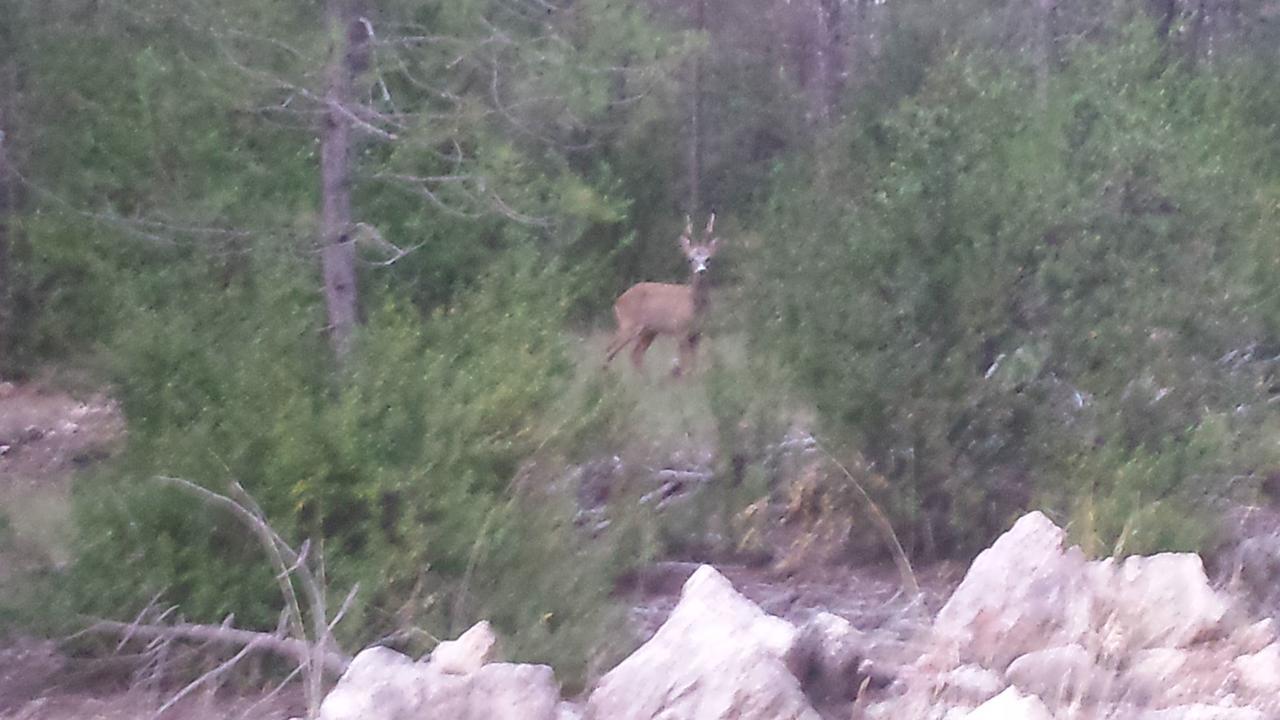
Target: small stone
{"points": [[472, 650], [1153, 672], [1068, 670], [973, 683], [568, 711], [1011, 705]]}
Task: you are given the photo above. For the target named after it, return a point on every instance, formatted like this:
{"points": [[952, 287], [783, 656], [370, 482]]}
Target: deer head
{"points": [[699, 255]]}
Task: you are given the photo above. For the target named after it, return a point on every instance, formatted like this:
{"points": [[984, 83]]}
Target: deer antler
{"points": [[711, 223], [686, 237]]}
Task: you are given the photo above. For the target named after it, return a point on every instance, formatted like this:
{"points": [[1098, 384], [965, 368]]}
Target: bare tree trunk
{"points": [[338, 256], [1165, 11], [826, 60], [694, 146], [1196, 32], [1045, 55], [8, 208]]}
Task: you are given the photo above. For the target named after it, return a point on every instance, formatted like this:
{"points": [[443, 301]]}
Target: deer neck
{"points": [[701, 291]]}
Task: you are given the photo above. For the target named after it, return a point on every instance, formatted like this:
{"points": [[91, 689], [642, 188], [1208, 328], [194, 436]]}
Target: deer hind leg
{"points": [[643, 341], [624, 335]]}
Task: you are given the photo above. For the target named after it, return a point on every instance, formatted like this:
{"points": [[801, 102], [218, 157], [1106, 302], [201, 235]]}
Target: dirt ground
{"points": [[39, 682], [45, 437]]}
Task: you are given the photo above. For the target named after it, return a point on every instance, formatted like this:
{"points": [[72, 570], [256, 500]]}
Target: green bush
{"points": [[990, 297], [415, 470]]}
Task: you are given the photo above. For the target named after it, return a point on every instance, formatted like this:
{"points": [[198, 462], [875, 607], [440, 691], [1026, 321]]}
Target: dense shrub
{"points": [[413, 469], [1007, 304]]}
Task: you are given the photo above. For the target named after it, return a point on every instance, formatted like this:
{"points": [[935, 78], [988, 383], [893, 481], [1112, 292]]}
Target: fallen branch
{"points": [[314, 651], [300, 651]]}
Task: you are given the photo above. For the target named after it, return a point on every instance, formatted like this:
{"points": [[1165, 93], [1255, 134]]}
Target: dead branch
{"points": [[298, 650], [314, 651]]}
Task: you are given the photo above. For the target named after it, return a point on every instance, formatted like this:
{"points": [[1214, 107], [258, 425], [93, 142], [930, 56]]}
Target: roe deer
{"points": [[647, 310]]}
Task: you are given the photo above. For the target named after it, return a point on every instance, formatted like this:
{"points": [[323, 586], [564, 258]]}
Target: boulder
{"points": [[1254, 637], [1028, 592], [1066, 671], [1163, 600], [718, 657], [497, 691], [1011, 705], [1260, 671], [825, 657], [381, 684], [1023, 592], [473, 649]]}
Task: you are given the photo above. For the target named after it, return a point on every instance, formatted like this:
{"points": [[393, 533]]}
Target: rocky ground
{"points": [[1034, 631], [1031, 629]]}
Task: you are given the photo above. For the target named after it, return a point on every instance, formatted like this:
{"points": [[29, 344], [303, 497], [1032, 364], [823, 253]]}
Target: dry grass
{"points": [[670, 416]]}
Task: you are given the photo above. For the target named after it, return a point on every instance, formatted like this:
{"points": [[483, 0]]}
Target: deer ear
{"points": [[686, 241]]}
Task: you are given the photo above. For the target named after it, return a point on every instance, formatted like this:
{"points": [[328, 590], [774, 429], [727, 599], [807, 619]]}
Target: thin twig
{"points": [[886, 528]]}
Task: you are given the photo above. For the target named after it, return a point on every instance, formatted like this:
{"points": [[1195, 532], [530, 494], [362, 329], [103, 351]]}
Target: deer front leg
{"points": [[688, 354]]}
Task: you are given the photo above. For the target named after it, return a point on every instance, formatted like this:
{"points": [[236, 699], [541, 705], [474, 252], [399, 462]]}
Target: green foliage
{"points": [[412, 474], [1134, 501], [979, 289]]}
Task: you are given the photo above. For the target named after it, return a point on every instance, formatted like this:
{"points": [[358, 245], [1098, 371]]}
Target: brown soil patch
{"points": [[46, 435]]}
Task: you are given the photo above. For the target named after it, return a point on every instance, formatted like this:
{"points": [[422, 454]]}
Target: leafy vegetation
{"points": [[1035, 304]]}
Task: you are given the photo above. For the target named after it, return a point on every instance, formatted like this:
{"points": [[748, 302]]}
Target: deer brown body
{"points": [[648, 309]]}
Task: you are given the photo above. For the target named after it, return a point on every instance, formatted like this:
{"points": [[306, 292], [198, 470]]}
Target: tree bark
{"points": [[8, 208], [1195, 34], [826, 61], [338, 256], [1165, 11], [694, 144], [1045, 55]]}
